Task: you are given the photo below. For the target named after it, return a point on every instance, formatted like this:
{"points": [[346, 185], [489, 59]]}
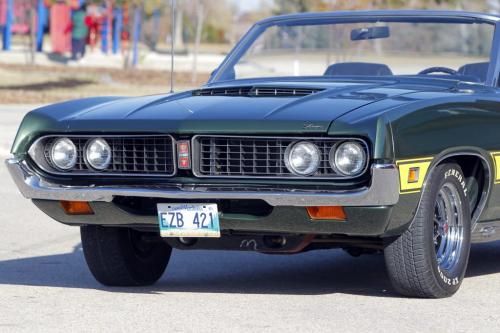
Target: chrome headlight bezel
{"points": [[334, 159], [315, 162], [73, 158], [88, 151]]}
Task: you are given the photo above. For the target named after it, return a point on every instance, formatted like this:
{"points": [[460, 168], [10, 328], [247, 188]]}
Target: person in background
{"points": [[94, 19], [79, 31]]}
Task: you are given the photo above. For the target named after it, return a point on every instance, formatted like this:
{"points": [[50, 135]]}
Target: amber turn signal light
{"points": [[413, 175], [326, 213], [77, 208]]}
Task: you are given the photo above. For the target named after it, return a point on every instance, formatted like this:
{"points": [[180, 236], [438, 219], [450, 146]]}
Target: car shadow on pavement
{"points": [[311, 273]]}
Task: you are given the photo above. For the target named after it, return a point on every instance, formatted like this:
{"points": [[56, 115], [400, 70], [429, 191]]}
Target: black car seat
{"points": [[478, 70], [358, 68]]}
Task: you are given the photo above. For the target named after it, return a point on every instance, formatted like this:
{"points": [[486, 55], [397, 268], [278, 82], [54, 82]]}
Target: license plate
{"points": [[188, 220]]}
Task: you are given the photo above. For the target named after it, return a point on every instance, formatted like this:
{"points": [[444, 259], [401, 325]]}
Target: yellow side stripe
{"points": [[496, 160], [404, 166], [423, 165]]}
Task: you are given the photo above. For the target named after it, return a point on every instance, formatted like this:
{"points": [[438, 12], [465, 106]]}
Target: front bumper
{"points": [[383, 190], [361, 221]]}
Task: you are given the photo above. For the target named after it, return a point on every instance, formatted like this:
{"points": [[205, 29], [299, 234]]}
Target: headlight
{"points": [[63, 154], [98, 154], [302, 158], [349, 158]]}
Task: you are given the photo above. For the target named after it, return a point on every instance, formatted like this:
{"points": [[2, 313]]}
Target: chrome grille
{"points": [[132, 155], [233, 156]]}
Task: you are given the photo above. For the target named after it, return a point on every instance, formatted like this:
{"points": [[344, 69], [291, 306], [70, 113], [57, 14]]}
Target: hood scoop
{"points": [[253, 91]]}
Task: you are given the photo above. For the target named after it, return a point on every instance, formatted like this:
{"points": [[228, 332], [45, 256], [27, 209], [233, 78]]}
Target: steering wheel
{"points": [[445, 70]]}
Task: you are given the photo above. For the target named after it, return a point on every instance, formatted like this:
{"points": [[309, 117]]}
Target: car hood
{"points": [[189, 112]]}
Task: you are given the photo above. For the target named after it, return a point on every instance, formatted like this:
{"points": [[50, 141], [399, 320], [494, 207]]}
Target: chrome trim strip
{"points": [[196, 156], [34, 153], [383, 191]]}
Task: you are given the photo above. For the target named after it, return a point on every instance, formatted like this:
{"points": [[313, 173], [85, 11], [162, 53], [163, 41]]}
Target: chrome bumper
{"points": [[383, 191]]}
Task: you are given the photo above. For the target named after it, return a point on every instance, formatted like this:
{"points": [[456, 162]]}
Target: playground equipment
{"points": [[55, 17]]}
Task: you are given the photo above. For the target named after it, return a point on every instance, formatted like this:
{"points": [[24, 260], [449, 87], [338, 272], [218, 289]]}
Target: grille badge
{"points": [[183, 155]]}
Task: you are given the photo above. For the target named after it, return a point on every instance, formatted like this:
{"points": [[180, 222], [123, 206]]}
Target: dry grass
{"points": [[47, 84]]}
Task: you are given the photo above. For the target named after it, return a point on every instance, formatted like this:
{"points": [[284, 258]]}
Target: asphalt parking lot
{"points": [[45, 285]]}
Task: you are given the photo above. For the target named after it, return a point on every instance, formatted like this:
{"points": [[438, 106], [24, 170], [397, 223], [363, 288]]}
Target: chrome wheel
{"points": [[430, 258], [448, 227]]}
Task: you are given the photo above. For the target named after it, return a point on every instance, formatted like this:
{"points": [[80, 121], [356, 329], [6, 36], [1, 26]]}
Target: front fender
{"points": [[425, 137], [46, 120]]}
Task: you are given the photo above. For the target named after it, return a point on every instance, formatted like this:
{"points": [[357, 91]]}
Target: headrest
{"points": [[479, 70]]}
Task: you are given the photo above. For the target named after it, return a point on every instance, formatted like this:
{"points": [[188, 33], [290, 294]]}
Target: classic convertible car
{"points": [[372, 132]]}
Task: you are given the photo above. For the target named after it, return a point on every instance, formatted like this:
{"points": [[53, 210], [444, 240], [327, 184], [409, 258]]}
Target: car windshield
{"points": [[371, 48]]}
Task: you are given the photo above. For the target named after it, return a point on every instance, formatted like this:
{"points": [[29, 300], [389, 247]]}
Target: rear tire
{"points": [[123, 256], [430, 258]]}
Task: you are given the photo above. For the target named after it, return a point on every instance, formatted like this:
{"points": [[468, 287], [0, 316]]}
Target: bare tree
{"points": [[30, 19], [200, 18], [32, 34], [179, 23]]}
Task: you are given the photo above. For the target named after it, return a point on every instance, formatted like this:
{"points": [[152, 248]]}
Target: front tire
{"points": [[430, 258], [124, 257]]}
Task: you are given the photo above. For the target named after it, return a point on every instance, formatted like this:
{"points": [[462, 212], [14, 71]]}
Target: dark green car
{"points": [[369, 131]]}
